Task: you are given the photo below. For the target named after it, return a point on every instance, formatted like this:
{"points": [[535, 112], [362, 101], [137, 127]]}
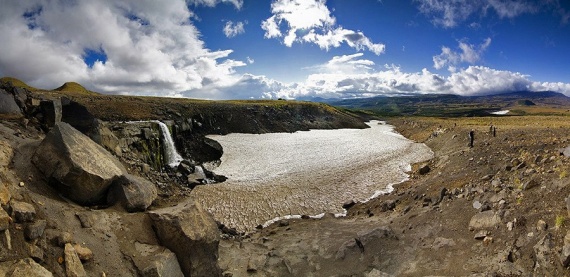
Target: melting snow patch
{"points": [[501, 112]]}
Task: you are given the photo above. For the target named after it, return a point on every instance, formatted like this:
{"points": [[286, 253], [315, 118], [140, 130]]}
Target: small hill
{"points": [[526, 103], [17, 83], [74, 87]]}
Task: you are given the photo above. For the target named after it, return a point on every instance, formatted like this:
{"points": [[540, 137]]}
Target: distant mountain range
{"points": [[454, 105]]}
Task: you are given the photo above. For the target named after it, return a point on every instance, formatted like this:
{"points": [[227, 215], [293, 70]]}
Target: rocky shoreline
{"points": [[497, 209]]}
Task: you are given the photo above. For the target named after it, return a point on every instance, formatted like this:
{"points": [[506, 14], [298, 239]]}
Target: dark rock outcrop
{"points": [[51, 111], [81, 169], [192, 234]]}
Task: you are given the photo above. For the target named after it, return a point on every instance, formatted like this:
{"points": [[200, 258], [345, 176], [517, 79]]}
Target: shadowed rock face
{"points": [[8, 104], [80, 168]]}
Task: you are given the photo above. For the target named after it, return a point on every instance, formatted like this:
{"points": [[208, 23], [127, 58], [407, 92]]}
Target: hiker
{"points": [[471, 137], [494, 131]]}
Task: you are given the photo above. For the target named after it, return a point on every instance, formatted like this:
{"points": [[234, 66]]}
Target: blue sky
{"points": [[242, 49]]}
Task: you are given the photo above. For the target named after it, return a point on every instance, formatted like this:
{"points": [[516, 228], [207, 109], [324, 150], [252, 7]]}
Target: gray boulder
{"points": [[192, 234], [134, 193], [8, 105], [80, 168]]}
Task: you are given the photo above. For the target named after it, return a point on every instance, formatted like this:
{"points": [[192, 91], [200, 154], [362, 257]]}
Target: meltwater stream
{"points": [[282, 175]]}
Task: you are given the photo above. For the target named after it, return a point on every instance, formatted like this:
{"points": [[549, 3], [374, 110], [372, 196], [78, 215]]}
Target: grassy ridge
{"points": [[519, 103]]}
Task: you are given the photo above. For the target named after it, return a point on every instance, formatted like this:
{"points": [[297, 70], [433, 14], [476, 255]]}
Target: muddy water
{"points": [[305, 173]]}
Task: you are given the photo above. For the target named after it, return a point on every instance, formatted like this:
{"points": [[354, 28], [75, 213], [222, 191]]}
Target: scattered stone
{"points": [[530, 184], [363, 239], [565, 254], [64, 238], [35, 252], [542, 252], [541, 225], [23, 268], [188, 226], [85, 219], [510, 225], [387, 205], [23, 212], [441, 242], [85, 254], [256, 263], [6, 239], [21, 184], [567, 200], [487, 240], [5, 194], [80, 168], [481, 235], [5, 220], [484, 220], [73, 266], [134, 193], [349, 204], [520, 166], [35, 230], [565, 152], [185, 167], [476, 204], [425, 169], [163, 264], [377, 273], [283, 223], [496, 183]]}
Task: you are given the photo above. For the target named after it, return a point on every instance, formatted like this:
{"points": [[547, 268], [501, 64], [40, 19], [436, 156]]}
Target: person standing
{"points": [[471, 137]]}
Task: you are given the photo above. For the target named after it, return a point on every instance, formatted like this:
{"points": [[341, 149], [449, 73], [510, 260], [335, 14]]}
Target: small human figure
{"points": [[471, 137], [494, 131]]}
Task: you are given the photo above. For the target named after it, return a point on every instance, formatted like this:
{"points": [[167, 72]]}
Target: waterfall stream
{"points": [[173, 158]]}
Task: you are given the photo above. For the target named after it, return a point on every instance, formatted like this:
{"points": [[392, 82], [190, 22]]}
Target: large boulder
{"points": [[134, 193], [80, 168], [192, 234], [8, 105]]}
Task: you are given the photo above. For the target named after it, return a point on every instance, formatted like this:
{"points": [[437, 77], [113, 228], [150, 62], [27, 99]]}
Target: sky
{"points": [[292, 49]]}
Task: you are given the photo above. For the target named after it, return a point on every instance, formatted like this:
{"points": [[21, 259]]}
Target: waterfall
{"points": [[172, 157]]}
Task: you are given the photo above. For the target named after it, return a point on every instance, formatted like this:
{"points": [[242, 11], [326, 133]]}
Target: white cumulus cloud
{"points": [[352, 76], [450, 13], [150, 47], [232, 29], [468, 53], [311, 21]]}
